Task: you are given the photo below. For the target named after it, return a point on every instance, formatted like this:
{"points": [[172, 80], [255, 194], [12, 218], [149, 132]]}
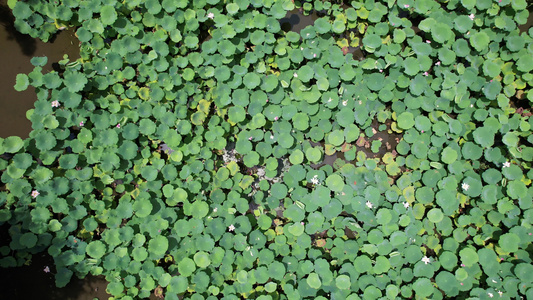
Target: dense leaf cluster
{"points": [[181, 153]]}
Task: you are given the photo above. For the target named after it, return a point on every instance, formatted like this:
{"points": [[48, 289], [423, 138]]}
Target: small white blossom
{"points": [[406, 5], [426, 260], [271, 137], [215, 209], [506, 164], [46, 269], [345, 102], [314, 180], [465, 186], [369, 204], [231, 227], [314, 54], [210, 15], [81, 124], [471, 16], [406, 204], [437, 63], [55, 103], [295, 75], [35, 193], [428, 41], [490, 294], [500, 293]]}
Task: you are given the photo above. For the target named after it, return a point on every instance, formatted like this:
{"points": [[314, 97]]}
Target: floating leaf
{"points": [[96, 249], [12, 144], [509, 242], [22, 82], [313, 280], [406, 120]]}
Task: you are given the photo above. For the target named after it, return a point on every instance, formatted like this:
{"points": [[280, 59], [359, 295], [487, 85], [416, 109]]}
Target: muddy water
{"points": [[16, 50]]}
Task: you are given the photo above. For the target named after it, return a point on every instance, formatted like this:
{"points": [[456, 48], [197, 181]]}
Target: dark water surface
{"points": [[16, 50]]}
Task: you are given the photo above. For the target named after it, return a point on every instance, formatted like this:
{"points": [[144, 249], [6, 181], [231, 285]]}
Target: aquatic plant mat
{"points": [[182, 154]]}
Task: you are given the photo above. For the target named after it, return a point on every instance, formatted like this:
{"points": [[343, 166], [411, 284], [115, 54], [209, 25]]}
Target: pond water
{"points": [[16, 50], [32, 282]]}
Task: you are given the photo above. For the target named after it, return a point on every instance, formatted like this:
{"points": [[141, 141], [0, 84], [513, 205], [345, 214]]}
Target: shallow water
{"points": [[16, 50]]}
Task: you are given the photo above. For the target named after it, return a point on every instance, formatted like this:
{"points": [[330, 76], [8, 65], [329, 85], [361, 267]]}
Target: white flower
{"points": [[314, 180], [406, 204], [215, 209], [471, 16], [46, 269], [314, 55], [490, 294], [369, 204], [210, 15], [295, 75], [506, 164], [271, 137], [81, 123], [231, 227], [55, 103], [35, 193], [437, 63], [426, 260], [345, 102], [406, 6], [465, 186], [500, 293]]}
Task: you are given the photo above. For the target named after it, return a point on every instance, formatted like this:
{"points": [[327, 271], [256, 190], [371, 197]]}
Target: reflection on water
{"points": [[295, 21], [16, 50], [33, 281], [26, 43]]}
